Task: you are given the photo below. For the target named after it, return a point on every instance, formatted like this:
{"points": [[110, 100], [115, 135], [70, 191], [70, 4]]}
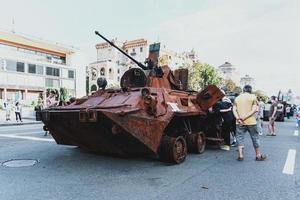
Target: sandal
{"points": [[261, 158], [240, 159]]}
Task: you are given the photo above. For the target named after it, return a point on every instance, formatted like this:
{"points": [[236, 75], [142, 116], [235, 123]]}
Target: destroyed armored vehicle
{"points": [[151, 113]]}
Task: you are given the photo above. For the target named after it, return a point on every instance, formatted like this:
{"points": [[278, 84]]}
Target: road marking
{"points": [[296, 133], [27, 138], [290, 162], [23, 132], [26, 133]]}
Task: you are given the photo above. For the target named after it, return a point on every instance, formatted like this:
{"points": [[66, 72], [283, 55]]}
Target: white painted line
{"points": [[290, 162], [27, 138], [25, 133], [296, 133]]}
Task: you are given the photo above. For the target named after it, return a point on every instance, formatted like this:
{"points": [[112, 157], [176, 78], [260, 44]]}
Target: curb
{"points": [[22, 123]]}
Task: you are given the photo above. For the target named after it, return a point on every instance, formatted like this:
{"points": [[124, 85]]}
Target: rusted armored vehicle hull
{"points": [[151, 113], [145, 120]]}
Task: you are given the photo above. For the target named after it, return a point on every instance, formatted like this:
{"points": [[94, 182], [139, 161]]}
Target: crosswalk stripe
{"points": [[290, 162]]}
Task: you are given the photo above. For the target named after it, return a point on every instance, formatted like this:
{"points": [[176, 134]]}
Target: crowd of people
{"points": [[15, 107], [245, 114]]}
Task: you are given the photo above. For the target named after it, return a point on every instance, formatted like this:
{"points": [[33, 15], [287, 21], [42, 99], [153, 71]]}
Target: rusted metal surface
{"points": [[147, 115]]}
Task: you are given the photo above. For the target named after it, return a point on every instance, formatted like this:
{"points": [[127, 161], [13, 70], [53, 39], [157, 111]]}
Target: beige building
{"points": [[29, 66], [177, 60], [112, 64], [228, 72]]}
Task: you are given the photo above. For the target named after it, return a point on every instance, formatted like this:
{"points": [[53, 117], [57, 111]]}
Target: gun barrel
{"points": [[112, 44]]}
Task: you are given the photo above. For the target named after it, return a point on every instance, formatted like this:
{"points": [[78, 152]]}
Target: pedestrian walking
{"points": [[288, 111], [244, 110], [272, 116], [18, 110], [260, 115], [7, 108]]}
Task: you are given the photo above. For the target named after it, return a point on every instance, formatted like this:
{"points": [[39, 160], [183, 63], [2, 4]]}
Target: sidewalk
{"points": [[14, 122], [28, 119]]}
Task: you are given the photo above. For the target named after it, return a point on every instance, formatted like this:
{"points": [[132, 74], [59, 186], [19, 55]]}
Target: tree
{"points": [[230, 86], [63, 94], [260, 94], [202, 75], [93, 88]]}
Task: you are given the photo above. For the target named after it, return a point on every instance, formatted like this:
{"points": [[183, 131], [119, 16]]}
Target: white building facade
{"points": [[228, 72], [247, 80], [29, 66]]}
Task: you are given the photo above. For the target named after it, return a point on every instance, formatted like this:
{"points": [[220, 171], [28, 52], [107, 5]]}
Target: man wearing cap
{"points": [[244, 110]]}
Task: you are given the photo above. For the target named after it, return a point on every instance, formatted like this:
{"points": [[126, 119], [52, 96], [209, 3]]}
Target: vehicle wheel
{"points": [[173, 150], [196, 142]]}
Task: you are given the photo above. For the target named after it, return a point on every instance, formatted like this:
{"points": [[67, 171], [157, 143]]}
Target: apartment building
{"points": [[29, 66]]}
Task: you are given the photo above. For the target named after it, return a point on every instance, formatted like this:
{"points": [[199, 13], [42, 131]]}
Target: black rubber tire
{"points": [[173, 150], [196, 143]]}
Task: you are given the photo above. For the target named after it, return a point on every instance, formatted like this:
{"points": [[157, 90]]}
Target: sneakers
{"points": [[225, 147], [260, 133]]}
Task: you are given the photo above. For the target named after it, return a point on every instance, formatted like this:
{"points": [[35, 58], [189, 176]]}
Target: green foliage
{"points": [[87, 85], [93, 88], [260, 94], [41, 96], [230, 86], [63, 94], [33, 103], [202, 75]]}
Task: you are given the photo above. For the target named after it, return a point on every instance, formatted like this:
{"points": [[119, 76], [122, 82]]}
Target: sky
{"points": [[260, 38]]}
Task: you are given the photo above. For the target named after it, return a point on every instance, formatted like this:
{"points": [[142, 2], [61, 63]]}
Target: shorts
{"points": [[241, 130]]}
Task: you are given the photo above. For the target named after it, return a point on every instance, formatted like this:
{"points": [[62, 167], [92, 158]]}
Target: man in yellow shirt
{"points": [[244, 110]]}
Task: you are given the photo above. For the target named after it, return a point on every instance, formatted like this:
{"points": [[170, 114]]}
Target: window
{"points": [[52, 83], [20, 67], [102, 71], [141, 49], [52, 71], [118, 71], [32, 68], [15, 66], [71, 74], [39, 69]]}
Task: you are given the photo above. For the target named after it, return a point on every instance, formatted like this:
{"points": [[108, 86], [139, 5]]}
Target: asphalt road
{"points": [[64, 172]]}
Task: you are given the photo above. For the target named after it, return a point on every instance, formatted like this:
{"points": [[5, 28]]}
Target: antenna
{"points": [[13, 26]]}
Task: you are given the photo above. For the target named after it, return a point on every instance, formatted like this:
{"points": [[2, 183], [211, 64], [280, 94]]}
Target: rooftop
{"points": [[18, 40]]}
